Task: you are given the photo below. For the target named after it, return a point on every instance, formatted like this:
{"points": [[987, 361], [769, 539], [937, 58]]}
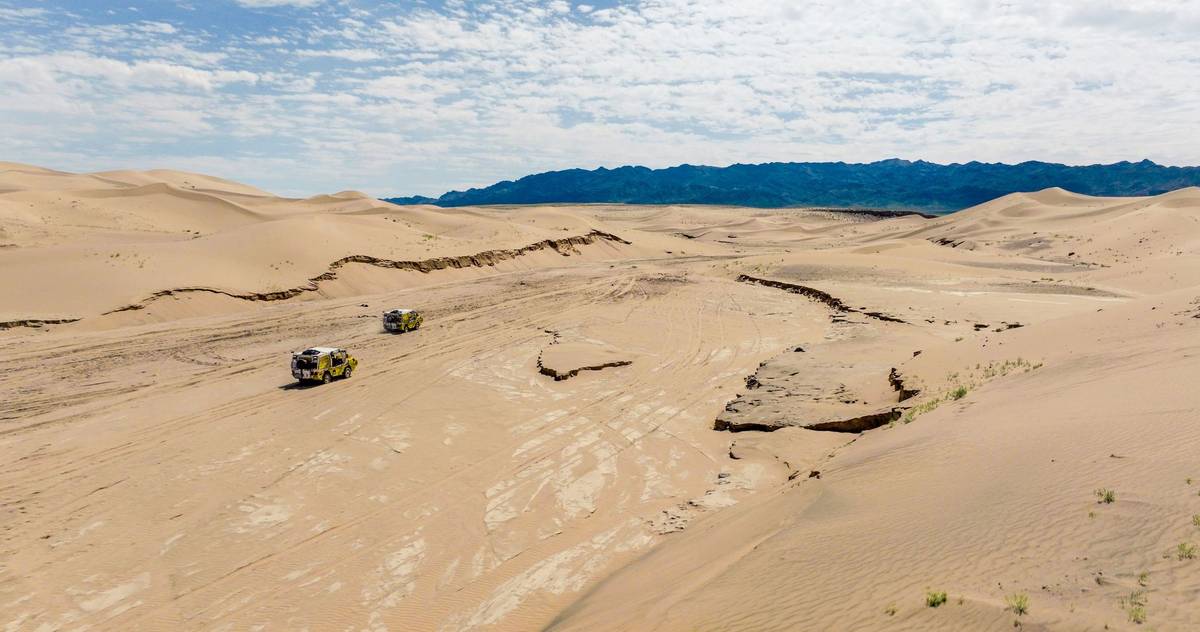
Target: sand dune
{"points": [[181, 180], [98, 250], [613, 418]]}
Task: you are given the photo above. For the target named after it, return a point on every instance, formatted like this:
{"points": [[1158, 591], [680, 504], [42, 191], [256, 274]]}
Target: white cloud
{"points": [[404, 98], [259, 4], [349, 54], [157, 27], [7, 14], [22, 72]]}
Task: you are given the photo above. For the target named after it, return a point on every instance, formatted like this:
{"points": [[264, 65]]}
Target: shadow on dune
{"points": [[299, 386]]}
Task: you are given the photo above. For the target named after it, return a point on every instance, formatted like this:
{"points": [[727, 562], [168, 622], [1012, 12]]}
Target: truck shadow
{"points": [[299, 386]]}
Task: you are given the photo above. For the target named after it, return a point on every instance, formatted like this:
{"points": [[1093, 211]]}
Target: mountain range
{"points": [[886, 184]]}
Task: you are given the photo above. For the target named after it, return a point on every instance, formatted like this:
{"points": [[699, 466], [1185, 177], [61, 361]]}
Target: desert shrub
{"points": [[1135, 606], [935, 598], [1018, 603]]}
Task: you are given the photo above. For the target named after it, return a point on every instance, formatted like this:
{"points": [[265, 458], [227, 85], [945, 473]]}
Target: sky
{"points": [[399, 97]]}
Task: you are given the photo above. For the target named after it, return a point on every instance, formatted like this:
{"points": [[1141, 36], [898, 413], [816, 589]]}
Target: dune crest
{"points": [[183, 234]]}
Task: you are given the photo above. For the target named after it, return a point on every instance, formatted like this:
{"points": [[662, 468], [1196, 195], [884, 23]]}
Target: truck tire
{"points": [[325, 379], [347, 372]]}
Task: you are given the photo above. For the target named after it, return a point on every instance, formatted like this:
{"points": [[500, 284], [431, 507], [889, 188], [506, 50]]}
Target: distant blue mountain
{"points": [[887, 184]]}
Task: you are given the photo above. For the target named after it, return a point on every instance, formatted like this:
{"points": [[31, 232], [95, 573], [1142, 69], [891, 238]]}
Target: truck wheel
{"points": [[347, 372], [325, 379]]}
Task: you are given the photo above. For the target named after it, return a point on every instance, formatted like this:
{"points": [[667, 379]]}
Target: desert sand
{"points": [[613, 418]]}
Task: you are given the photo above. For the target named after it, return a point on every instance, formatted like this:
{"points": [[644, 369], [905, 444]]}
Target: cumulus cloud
{"points": [[422, 97], [349, 54], [27, 13], [68, 67], [258, 4]]}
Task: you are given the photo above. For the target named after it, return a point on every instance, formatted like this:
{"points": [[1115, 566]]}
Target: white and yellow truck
{"points": [[402, 320], [322, 364]]}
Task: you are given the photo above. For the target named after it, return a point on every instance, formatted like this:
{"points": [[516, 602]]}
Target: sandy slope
{"points": [[990, 495], [95, 250], [161, 470]]}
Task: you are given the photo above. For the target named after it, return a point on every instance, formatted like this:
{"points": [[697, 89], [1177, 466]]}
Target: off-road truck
{"points": [[322, 364], [401, 320]]}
